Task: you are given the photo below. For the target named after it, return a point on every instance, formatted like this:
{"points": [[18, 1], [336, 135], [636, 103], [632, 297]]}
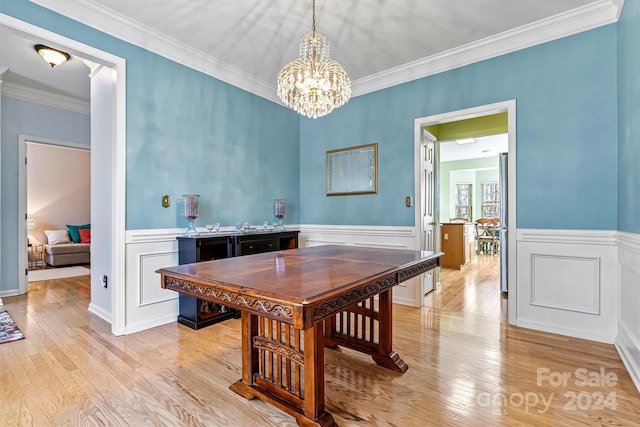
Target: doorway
{"points": [[58, 193], [423, 191], [108, 112]]}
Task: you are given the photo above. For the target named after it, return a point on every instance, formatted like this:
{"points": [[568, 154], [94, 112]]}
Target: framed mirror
{"points": [[352, 170]]}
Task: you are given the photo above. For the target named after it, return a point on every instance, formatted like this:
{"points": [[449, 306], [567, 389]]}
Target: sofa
{"points": [[68, 247], [67, 254]]}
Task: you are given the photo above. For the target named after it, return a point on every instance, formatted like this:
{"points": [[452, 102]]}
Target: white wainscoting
{"points": [[578, 283], [628, 339], [407, 293], [148, 305], [567, 282]]}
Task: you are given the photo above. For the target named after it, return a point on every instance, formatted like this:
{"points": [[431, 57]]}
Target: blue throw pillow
{"points": [[74, 234]]}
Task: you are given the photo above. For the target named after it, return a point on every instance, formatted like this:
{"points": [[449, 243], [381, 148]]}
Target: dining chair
{"points": [[487, 235]]}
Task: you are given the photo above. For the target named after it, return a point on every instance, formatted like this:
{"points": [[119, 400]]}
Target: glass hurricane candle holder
{"points": [[191, 212], [278, 211]]}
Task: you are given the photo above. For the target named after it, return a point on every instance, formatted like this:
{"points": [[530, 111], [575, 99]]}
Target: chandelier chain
{"points": [[313, 23]]}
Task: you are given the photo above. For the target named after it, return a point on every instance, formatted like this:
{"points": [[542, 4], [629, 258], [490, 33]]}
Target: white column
{"points": [[3, 71], [102, 164]]}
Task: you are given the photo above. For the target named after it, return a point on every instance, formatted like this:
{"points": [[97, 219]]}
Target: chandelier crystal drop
{"points": [[314, 84]]}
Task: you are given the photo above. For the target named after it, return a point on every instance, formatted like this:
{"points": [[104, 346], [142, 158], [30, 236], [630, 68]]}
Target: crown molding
{"points": [[596, 14], [581, 19], [619, 4], [50, 99], [106, 20]]}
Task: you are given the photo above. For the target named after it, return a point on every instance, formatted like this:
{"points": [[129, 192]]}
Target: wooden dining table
{"points": [[296, 302]]}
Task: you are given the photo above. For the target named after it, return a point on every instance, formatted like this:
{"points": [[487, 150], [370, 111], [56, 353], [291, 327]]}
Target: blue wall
{"points": [[190, 133], [629, 118], [566, 135], [186, 133]]}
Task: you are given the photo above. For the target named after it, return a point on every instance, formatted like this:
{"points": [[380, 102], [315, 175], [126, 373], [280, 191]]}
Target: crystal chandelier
{"points": [[314, 84]]}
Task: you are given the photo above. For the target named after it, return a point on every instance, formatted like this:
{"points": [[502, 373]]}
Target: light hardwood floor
{"points": [[467, 367]]}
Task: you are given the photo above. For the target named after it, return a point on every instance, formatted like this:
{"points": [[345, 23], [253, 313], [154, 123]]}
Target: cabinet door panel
{"points": [[257, 246]]}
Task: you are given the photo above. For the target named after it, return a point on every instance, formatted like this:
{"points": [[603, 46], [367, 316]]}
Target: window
{"points": [[463, 201], [490, 200]]}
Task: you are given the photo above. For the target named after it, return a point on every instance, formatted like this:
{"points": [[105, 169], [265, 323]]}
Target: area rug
{"points": [[57, 273], [9, 331]]}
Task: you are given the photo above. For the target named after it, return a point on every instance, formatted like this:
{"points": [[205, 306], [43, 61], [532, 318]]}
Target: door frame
{"points": [[431, 279], [484, 110], [116, 194], [23, 140]]}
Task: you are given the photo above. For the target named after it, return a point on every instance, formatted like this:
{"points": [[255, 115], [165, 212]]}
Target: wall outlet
{"points": [[446, 236], [103, 280]]}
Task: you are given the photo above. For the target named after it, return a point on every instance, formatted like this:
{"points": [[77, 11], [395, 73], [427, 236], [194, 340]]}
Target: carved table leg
{"points": [[366, 329], [249, 357], [284, 366], [385, 356], [329, 331]]}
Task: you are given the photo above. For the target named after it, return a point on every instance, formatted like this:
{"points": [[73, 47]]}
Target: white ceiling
{"points": [[250, 40], [27, 68], [485, 146]]}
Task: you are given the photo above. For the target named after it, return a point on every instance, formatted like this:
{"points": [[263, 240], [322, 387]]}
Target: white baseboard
{"points": [[569, 332], [402, 300], [152, 323], [9, 293], [624, 342], [98, 311]]}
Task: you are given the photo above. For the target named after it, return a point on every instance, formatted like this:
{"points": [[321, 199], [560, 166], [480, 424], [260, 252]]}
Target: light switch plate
{"points": [[165, 201], [407, 201]]}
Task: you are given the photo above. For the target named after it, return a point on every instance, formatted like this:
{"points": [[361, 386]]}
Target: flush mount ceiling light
{"points": [[466, 141], [314, 84], [52, 56]]}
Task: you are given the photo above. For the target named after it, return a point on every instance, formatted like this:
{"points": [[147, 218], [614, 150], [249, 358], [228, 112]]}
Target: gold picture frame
{"points": [[352, 170]]}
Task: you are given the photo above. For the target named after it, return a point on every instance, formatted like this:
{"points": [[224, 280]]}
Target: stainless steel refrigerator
{"points": [[504, 225]]}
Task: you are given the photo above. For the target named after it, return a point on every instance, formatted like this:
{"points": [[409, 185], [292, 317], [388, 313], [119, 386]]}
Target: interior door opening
{"points": [[476, 185], [108, 112]]}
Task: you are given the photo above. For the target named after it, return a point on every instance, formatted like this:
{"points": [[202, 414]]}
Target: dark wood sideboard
{"points": [[196, 313]]}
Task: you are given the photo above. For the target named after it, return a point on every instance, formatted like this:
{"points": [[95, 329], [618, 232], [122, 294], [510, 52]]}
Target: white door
{"points": [[428, 223]]}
